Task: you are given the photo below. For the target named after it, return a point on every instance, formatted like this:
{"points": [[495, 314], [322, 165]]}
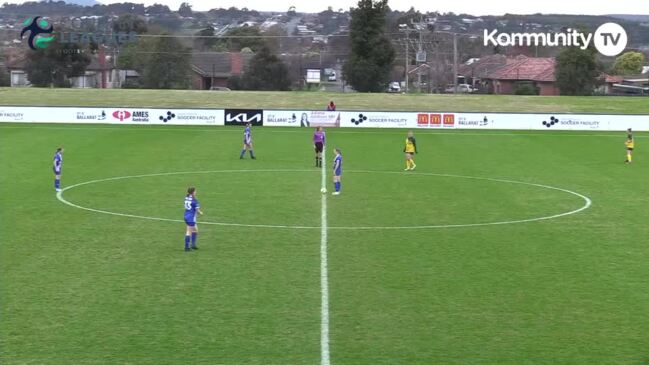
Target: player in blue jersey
{"points": [[58, 165], [247, 143], [192, 206], [338, 171]]}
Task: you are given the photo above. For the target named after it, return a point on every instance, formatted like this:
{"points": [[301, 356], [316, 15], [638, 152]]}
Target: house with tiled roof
{"points": [[477, 69], [214, 69], [100, 73], [536, 70]]}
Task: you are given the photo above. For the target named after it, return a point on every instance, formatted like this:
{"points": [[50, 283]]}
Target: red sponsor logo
{"points": [[423, 120], [449, 120], [435, 120], [122, 115]]}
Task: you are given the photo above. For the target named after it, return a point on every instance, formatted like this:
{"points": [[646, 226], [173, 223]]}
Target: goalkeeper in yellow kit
{"points": [[410, 149]]}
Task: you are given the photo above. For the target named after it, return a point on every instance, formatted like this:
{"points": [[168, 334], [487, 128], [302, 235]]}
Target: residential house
{"points": [[607, 83], [100, 73], [214, 69], [631, 85], [475, 70], [537, 70]]}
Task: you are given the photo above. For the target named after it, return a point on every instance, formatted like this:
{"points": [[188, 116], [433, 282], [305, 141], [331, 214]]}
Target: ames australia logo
{"points": [[135, 116], [610, 39]]}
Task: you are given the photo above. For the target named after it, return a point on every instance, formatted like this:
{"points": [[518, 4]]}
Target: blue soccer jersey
{"points": [[58, 162], [338, 165], [191, 205], [247, 136]]}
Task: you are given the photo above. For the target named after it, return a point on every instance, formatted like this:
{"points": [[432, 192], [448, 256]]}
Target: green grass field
{"points": [[319, 100], [81, 287]]}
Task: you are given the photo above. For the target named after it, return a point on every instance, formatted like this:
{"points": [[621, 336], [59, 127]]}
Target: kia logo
{"points": [[121, 115], [243, 118]]}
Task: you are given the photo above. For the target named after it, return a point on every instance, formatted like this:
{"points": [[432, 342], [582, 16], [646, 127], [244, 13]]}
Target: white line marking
{"points": [[324, 275], [587, 201], [423, 132]]}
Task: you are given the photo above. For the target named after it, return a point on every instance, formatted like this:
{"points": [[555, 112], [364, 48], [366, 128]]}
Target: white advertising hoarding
{"points": [[328, 119], [301, 118], [537, 121], [377, 119], [111, 115]]}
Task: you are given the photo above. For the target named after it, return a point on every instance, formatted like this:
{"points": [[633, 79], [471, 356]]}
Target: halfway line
{"points": [[324, 276]]}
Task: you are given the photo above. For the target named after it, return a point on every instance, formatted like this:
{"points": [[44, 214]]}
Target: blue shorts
{"points": [[190, 223], [338, 173]]}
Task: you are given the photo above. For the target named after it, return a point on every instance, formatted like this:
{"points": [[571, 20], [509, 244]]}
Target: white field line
{"points": [[587, 201], [324, 274], [421, 132]]}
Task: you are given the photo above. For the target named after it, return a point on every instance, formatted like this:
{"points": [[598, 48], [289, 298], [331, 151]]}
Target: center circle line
{"points": [[587, 200]]}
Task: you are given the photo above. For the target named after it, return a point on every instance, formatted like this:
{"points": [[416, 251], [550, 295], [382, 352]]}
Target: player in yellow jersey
{"points": [[630, 144], [410, 149]]}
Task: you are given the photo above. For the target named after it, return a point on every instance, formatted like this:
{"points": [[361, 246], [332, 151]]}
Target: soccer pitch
{"points": [[488, 253]]}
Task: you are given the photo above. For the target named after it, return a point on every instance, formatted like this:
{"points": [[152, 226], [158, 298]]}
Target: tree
{"points": [[577, 71], [368, 67], [54, 65], [629, 63], [129, 23], [266, 72], [185, 10], [167, 65], [243, 37], [274, 37], [4, 77], [158, 9], [205, 39]]}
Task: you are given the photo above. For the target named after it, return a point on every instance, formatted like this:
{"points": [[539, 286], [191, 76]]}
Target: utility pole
{"points": [[407, 62], [454, 63], [419, 51]]}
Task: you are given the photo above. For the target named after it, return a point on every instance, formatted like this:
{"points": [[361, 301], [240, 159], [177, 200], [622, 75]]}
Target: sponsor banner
{"points": [[111, 116], [314, 118], [436, 120], [301, 118], [282, 118], [188, 117], [543, 121], [317, 118], [244, 116], [540, 121], [378, 119], [12, 114]]}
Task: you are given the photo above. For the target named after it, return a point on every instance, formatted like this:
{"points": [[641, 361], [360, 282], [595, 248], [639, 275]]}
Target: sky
{"points": [[474, 7]]}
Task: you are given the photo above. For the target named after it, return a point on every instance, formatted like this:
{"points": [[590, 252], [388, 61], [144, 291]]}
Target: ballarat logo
{"points": [[37, 26]]}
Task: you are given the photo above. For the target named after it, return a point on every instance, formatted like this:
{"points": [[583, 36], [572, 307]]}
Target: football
{"points": [[323, 190]]}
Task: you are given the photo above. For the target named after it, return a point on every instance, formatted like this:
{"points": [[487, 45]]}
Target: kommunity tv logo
{"points": [[38, 28], [610, 39]]}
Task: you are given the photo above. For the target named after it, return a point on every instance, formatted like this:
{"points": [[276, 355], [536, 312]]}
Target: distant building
{"points": [[211, 70], [499, 74], [99, 73], [538, 70]]}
